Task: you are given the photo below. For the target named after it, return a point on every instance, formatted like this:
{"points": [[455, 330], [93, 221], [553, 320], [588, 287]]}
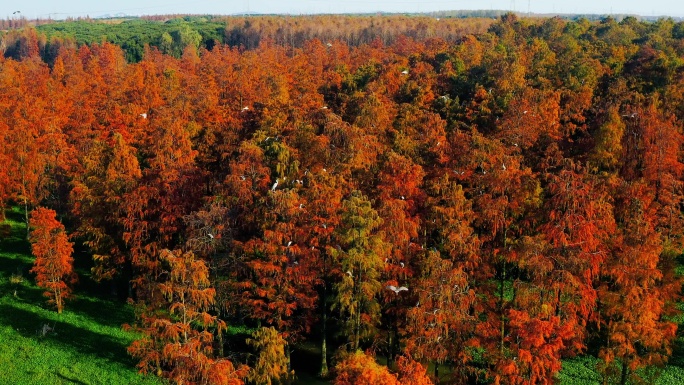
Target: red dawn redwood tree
{"points": [[178, 340], [53, 265], [636, 292]]}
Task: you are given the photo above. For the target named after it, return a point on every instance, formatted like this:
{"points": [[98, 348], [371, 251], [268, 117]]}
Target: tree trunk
{"points": [[26, 218], [324, 336], [623, 375], [219, 335], [389, 347], [287, 356], [501, 307], [357, 328]]}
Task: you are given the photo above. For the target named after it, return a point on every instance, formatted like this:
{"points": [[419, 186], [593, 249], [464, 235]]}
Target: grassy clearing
{"points": [[86, 344]]}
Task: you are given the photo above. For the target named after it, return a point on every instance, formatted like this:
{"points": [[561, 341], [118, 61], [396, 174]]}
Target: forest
{"points": [[416, 200]]}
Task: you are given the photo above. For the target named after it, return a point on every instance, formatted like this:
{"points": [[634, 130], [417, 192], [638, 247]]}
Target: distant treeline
{"points": [[171, 34]]}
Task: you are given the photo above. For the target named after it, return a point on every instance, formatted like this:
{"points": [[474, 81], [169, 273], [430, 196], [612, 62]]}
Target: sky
{"points": [[59, 9]]}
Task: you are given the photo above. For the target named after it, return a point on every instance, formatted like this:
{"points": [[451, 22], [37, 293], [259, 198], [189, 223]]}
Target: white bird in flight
{"points": [[395, 289]]}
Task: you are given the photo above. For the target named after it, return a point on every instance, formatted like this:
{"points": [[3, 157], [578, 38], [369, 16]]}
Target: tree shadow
{"points": [[15, 243], [677, 357], [87, 342], [102, 311], [70, 380], [15, 262], [306, 362], [16, 281]]}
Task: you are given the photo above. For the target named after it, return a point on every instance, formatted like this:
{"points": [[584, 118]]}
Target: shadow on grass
{"points": [[71, 380], [13, 265], [16, 242], [677, 358], [23, 290], [15, 261], [102, 311], [306, 362], [85, 342]]}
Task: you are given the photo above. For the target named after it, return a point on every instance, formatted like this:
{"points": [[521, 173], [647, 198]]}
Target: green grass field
{"points": [[87, 345]]}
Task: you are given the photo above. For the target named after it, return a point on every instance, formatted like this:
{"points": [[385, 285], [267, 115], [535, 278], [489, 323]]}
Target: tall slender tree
{"points": [[54, 264]]}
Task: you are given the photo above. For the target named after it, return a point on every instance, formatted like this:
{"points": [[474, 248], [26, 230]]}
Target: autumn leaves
{"points": [[518, 195]]}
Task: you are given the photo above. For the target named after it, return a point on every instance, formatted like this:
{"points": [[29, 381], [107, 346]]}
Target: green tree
{"points": [[361, 257], [271, 365]]}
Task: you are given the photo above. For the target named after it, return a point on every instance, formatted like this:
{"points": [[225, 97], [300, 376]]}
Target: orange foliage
{"points": [[412, 372], [54, 264], [359, 368]]}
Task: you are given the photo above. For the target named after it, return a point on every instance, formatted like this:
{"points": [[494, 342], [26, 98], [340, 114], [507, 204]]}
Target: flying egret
{"points": [[395, 289]]}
